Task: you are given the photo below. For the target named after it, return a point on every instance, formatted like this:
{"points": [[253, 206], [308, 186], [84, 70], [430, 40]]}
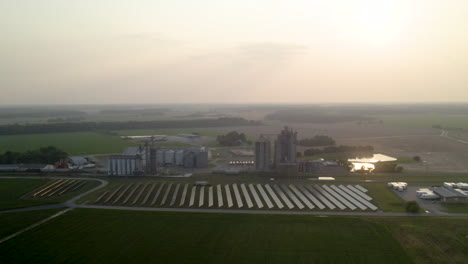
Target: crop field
{"points": [[108, 236], [18, 193], [13, 222], [236, 196], [170, 131], [426, 120], [79, 143]]}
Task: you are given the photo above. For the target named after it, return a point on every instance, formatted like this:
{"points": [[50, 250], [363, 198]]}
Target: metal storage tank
{"points": [[169, 156], [160, 156], [189, 160], [179, 157]]}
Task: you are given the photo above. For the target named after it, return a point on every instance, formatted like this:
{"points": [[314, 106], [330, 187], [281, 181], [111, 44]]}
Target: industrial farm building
{"points": [[146, 160]]}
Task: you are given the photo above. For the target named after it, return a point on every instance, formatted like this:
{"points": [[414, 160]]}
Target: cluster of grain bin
{"points": [[186, 157], [400, 186], [458, 185]]}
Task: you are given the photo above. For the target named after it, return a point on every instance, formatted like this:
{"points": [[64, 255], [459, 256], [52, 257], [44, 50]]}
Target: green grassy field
{"points": [[14, 222], [106, 236], [16, 193], [456, 208], [435, 240], [80, 143], [384, 198], [167, 131], [426, 120]]}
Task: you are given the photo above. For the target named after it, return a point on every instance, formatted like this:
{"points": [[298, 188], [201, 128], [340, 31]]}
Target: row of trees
{"points": [[92, 126], [232, 138], [45, 155], [317, 141], [350, 151]]}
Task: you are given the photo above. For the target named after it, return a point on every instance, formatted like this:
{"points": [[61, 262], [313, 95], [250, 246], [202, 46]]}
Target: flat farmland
{"points": [[14, 222], [79, 143], [108, 236]]}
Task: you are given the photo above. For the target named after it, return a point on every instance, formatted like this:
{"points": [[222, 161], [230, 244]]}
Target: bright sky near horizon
{"points": [[243, 51]]}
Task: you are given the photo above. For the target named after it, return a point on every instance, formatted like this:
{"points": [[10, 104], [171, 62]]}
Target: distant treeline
{"points": [[93, 126], [312, 115], [37, 113], [232, 138], [317, 141], [144, 112], [349, 151], [46, 155]]}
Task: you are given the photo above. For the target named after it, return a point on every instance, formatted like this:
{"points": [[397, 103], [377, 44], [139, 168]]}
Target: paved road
{"points": [[444, 134]]}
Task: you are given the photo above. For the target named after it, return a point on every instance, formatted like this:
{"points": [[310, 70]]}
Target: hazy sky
{"points": [[150, 51]]}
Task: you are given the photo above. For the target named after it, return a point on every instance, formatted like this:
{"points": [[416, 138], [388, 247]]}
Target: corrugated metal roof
{"points": [[446, 192]]}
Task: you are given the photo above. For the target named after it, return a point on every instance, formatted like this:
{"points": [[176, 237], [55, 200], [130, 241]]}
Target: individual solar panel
{"points": [[70, 187], [228, 196], [157, 193], [255, 195], [348, 197], [265, 196], [330, 197], [192, 196], [246, 196], [273, 195], [201, 200], [302, 197], [312, 197], [174, 196], [113, 193], [220, 195], [240, 204], [292, 196], [358, 192], [362, 189], [131, 193], [148, 194], [101, 196], [339, 197], [283, 196], [359, 198], [210, 196], [140, 194], [166, 193], [184, 194]]}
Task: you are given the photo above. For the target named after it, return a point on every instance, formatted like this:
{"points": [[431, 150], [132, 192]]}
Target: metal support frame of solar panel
{"points": [[330, 197], [113, 193], [157, 193], [122, 193], [283, 196], [257, 199], [362, 189], [240, 204], [339, 197], [166, 194], [184, 194], [348, 197], [174, 196], [302, 197], [277, 201], [219, 192], [70, 187], [131, 193], [201, 198], [101, 196], [358, 192], [265, 196], [148, 194], [210, 196], [359, 198], [320, 196], [311, 196], [228, 196], [192, 196], [140, 193], [246, 196], [292, 196]]}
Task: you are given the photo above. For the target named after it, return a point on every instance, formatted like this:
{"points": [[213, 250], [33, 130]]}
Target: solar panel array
{"points": [[57, 188], [240, 196]]}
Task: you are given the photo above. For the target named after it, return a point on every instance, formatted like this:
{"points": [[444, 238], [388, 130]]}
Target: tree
{"points": [[412, 207], [417, 158]]}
